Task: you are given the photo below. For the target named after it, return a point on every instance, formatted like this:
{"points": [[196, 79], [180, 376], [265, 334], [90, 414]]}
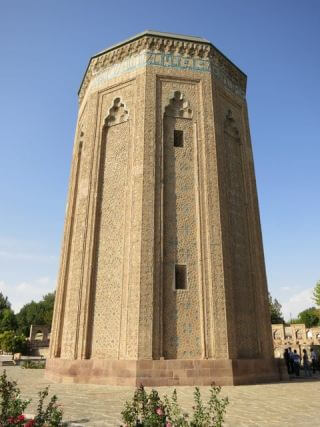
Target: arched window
{"points": [[38, 336]]}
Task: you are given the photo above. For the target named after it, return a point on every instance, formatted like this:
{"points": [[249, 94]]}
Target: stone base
{"points": [[166, 372]]}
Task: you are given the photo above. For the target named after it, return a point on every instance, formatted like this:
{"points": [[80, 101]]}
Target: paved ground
{"points": [[294, 403]]}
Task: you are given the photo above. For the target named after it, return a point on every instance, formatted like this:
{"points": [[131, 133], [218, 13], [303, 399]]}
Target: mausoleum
{"points": [[162, 277]]}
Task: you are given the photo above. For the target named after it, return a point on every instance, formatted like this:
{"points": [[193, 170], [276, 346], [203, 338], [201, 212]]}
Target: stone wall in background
{"points": [[297, 336]]}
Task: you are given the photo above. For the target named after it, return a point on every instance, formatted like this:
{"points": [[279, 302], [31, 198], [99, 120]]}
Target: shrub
{"points": [[12, 343], [11, 404], [12, 407], [49, 416], [30, 364], [150, 411]]}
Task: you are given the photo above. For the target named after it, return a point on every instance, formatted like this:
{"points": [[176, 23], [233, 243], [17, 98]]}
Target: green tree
{"points": [[8, 320], [316, 293], [27, 316], [12, 343], [47, 304], [310, 317], [4, 303], [36, 313], [275, 310]]}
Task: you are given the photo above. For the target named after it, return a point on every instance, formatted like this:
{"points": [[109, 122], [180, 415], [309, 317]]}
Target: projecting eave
{"points": [[164, 35], [151, 33]]}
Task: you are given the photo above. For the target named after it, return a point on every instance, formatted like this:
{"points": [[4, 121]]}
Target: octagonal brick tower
{"points": [[162, 277]]}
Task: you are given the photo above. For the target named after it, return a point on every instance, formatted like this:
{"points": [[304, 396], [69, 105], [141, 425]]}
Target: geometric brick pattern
{"points": [[143, 207]]}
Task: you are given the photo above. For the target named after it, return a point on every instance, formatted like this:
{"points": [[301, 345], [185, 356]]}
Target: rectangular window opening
{"points": [[180, 277], [178, 138]]}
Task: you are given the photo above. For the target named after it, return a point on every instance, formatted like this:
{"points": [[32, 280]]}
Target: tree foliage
{"points": [[316, 293], [36, 313], [4, 303], [310, 317], [12, 343], [8, 320], [275, 310]]}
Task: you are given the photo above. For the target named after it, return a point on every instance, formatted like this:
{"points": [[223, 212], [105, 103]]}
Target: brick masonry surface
{"points": [[292, 403], [141, 207]]}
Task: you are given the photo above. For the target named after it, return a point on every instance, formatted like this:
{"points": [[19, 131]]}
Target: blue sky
{"points": [[45, 47]]}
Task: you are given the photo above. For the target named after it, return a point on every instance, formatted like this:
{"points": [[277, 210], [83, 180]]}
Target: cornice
{"points": [[200, 49]]}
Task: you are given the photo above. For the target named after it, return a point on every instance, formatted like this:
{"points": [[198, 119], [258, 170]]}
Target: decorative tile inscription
{"points": [[177, 61], [116, 70], [167, 60]]}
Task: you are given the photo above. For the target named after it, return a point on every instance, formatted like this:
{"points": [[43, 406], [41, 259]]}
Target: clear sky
{"points": [[45, 46]]}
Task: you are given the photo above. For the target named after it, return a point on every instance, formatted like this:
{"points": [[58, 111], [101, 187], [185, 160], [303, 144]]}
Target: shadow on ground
{"points": [[77, 423]]}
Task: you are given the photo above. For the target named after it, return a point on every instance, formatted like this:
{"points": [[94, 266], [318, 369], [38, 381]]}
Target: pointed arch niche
{"points": [[180, 270], [109, 236], [178, 107]]}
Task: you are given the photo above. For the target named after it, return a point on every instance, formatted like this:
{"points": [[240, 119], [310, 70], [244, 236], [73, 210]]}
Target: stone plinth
{"points": [[166, 372]]}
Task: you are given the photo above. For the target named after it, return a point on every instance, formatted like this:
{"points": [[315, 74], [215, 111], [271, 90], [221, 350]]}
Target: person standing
{"points": [[296, 363], [286, 357], [306, 365], [313, 360], [291, 362]]}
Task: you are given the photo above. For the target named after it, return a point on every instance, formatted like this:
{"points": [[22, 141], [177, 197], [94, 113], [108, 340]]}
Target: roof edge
{"points": [[181, 37], [153, 33]]}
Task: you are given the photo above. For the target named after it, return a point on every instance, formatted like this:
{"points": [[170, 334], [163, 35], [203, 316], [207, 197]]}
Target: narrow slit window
{"points": [[180, 277], [178, 138]]}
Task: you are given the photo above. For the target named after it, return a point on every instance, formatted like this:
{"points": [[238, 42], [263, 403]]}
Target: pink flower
{"points": [[160, 412], [21, 418], [168, 425], [29, 423]]}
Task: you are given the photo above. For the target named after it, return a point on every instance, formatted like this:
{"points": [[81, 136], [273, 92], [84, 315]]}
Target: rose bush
{"points": [[148, 410], [12, 407]]}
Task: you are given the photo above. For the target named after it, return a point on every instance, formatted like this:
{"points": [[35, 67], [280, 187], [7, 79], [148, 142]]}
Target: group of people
{"points": [[293, 362]]}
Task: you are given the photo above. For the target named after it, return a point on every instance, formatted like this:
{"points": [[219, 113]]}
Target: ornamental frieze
{"points": [[168, 53]]}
